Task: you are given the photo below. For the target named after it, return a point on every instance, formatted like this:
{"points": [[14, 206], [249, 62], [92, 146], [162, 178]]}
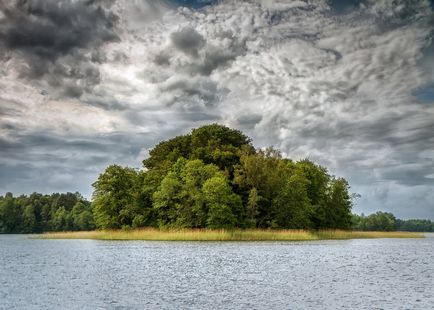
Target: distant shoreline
{"points": [[152, 234]]}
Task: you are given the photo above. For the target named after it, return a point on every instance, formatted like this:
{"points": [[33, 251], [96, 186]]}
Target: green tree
{"points": [[317, 191], [291, 205], [219, 145], [252, 207], [179, 200], [61, 220], [29, 220], [265, 172], [45, 218], [339, 205], [37, 201], [165, 153], [10, 215], [82, 216], [379, 221], [222, 204], [148, 184], [115, 197], [213, 144]]}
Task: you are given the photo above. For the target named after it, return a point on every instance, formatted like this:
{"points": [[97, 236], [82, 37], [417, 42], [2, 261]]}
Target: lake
{"points": [[88, 274]]}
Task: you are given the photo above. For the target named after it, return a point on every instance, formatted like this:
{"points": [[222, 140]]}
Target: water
{"points": [[88, 274]]}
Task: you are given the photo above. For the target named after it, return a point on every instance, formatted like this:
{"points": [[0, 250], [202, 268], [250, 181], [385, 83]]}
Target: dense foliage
{"points": [[37, 213], [214, 178]]}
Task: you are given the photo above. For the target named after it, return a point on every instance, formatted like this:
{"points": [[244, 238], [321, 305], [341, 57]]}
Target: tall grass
{"points": [[225, 235]]}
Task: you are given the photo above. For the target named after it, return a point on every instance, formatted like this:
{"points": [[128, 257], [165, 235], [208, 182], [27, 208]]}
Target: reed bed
{"points": [[225, 235]]}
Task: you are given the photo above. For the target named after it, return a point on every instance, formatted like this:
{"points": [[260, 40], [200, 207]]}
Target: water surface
{"points": [[89, 274]]}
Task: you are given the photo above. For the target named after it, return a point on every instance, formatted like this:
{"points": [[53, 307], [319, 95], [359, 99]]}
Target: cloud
{"points": [[56, 45], [49, 29], [188, 41], [336, 82]]}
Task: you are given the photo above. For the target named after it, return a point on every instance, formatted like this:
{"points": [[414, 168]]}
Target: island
{"points": [[209, 184]]}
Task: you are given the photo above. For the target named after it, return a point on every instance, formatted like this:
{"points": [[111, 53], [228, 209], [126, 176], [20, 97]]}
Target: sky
{"points": [[347, 84]]}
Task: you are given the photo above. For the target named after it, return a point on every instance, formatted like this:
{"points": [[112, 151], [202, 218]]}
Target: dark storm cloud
{"points": [[188, 40], [49, 28], [203, 57], [58, 41]]}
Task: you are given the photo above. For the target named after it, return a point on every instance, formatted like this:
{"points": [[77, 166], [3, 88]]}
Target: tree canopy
{"points": [[214, 178]]}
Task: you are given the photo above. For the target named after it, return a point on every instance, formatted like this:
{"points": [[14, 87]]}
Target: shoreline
{"points": [[151, 234]]}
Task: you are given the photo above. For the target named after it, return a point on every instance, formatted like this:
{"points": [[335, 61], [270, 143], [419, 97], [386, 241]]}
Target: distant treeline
{"points": [[386, 221], [210, 178], [37, 213]]}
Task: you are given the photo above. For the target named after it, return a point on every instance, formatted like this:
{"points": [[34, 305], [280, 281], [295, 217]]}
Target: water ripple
{"points": [[86, 274]]}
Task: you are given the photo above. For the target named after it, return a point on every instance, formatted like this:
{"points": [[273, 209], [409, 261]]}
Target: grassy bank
{"points": [[225, 235]]}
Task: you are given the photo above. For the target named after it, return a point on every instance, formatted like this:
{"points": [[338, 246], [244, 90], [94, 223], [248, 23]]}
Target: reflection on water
{"points": [[87, 274]]}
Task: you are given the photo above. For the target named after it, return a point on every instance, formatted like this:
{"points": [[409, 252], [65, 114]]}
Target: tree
{"points": [[179, 200], [82, 216], [115, 197], [66, 200], [339, 205], [29, 220], [165, 153], [219, 145], [265, 172], [213, 144], [291, 206], [148, 184], [317, 191], [10, 215], [382, 221], [45, 218], [252, 207], [379, 221], [61, 220], [37, 201], [222, 204]]}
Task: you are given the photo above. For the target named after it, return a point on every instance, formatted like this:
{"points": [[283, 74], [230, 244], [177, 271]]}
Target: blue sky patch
{"points": [[344, 6], [426, 94], [195, 4]]}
